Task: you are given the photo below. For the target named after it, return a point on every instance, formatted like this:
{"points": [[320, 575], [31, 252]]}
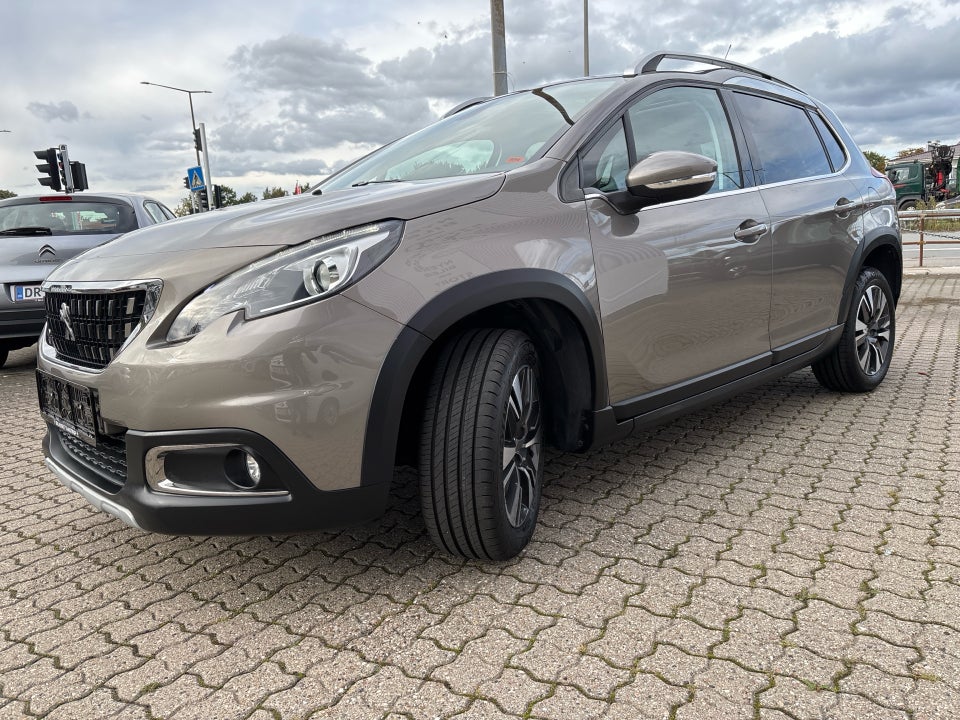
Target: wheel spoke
{"points": [[863, 357], [511, 493]]}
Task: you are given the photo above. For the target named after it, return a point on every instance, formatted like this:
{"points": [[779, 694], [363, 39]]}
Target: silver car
{"points": [[39, 232], [557, 266]]}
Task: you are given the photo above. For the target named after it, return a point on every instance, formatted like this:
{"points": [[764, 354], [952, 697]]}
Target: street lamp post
{"points": [[190, 94]]}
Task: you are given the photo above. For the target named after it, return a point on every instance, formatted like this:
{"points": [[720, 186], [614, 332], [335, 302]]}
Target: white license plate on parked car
{"points": [[27, 293]]}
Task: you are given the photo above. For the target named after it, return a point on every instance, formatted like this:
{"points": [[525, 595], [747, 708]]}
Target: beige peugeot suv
{"points": [[555, 266]]}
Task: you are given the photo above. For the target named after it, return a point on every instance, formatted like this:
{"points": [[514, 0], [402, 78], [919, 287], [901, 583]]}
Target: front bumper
{"points": [[302, 507]]}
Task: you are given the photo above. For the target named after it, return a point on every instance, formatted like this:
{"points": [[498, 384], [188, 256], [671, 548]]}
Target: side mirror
{"points": [[671, 175]]}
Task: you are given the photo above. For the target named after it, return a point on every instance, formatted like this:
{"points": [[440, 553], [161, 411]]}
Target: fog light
{"points": [[242, 470], [253, 470]]}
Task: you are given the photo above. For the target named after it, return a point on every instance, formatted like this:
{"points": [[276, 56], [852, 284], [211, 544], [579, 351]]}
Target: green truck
{"points": [[930, 179]]}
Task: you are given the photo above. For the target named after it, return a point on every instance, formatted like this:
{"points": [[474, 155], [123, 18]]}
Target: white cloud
{"points": [[298, 89]]}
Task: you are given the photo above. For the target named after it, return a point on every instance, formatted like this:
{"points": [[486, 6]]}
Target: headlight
{"points": [[292, 277]]}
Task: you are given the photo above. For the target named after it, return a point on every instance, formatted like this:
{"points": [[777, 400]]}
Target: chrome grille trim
{"points": [[90, 323]]}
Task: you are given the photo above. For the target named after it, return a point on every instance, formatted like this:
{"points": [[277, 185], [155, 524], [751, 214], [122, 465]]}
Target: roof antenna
{"points": [[728, 51]]}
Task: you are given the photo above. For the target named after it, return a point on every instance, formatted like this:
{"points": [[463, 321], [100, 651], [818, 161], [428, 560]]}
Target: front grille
{"points": [[108, 459], [88, 329]]}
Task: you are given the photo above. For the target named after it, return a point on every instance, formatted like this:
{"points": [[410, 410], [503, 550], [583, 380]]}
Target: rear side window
{"points": [[787, 146], [834, 149], [67, 218], [154, 211]]}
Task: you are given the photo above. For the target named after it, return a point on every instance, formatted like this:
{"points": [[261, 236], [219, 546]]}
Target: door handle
{"points": [[843, 207], [750, 231]]}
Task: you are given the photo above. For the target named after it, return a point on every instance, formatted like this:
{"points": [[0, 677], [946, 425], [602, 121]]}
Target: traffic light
{"points": [[217, 196], [50, 167], [79, 172], [196, 139], [186, 183], [204, 202]]}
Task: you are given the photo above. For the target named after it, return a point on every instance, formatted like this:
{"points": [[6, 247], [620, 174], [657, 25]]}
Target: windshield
{"points": [[67, 218], [495, 136]]}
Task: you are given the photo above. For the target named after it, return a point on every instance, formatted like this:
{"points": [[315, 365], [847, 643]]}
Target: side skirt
{"points": [[618, 421]]}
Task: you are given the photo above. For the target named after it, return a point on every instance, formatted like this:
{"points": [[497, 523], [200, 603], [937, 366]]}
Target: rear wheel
{"points": [[481, 459], [861, 359]]}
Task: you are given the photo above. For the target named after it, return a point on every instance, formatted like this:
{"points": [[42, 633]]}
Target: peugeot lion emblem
{"points": [[65, 316]]}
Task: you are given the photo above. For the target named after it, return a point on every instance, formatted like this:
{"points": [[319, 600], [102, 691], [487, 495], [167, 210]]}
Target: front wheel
{"points": [[481, 450], [861, 359]]}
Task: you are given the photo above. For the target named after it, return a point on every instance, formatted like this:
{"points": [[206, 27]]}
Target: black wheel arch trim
{"points": [[440, 314], [877, 238]]}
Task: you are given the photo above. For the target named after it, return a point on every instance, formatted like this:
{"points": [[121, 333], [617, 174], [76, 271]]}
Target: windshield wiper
{"points": [[375, 182], [28, 230]]}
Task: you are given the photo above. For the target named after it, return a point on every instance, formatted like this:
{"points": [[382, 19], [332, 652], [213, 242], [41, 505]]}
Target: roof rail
{"points": [[651, 63]]}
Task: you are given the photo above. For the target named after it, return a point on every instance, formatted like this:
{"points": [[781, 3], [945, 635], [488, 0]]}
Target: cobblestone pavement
{"points": [[792, 553]]}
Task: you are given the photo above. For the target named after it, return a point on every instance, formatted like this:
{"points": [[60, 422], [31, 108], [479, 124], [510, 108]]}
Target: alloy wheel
{"points": [[873, 330], [521, 446]]}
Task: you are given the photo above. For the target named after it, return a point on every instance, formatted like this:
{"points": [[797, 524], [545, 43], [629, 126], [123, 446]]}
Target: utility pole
{"points": [[586, 40], [499, 48]]}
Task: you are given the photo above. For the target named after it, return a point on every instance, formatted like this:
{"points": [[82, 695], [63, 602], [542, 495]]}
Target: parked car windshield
{"points": [[498, 135], [67, 218]]}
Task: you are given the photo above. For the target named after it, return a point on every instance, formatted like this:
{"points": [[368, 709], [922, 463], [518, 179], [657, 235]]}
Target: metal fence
{"points": [[936, 227]]}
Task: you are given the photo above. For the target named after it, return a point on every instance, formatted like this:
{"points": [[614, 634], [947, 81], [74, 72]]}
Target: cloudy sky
{"points": [[299, 87]]}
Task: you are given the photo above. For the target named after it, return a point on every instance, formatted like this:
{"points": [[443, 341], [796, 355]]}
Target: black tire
{"points": [[861, 359], [483, 400], [3, 356], [908, 205]]}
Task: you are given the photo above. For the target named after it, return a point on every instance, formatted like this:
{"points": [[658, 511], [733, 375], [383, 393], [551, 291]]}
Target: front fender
{"points": [[442, 313]]}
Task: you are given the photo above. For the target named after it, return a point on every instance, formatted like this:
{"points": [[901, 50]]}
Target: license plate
{"points": [[27, 293], [70, 407]]}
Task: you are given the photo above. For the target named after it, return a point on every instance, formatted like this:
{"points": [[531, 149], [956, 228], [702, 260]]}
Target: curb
{"points": [[932, 271]]}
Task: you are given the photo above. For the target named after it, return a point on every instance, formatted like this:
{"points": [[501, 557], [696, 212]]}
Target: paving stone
{"points": [[790, 553]]}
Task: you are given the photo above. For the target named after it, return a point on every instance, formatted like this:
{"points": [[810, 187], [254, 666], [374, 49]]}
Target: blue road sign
{"points": [[195, 175]]}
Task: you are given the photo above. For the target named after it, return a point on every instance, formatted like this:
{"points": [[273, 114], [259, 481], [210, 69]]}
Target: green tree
{"points": [[247, 197], [876, 159], [276, 192], [907, 152], [4, 194], [184, 208], [228, 195]]}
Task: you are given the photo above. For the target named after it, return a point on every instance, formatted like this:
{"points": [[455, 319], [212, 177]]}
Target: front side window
{"points": [[785, 140], [605, 165], [690, 119]]}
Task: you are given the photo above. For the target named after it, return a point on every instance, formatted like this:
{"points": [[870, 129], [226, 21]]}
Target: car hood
{"points": [[294, 220]]}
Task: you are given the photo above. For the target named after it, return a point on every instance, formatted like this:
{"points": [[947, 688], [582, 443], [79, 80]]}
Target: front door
{"points": [[685, 302]]}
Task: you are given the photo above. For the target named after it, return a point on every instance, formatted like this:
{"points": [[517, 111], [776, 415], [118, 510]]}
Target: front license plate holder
{"points": [[71, 408]]}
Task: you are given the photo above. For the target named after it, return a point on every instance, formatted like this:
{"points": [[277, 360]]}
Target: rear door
{"points": [[681, 296], [816, 216]]}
